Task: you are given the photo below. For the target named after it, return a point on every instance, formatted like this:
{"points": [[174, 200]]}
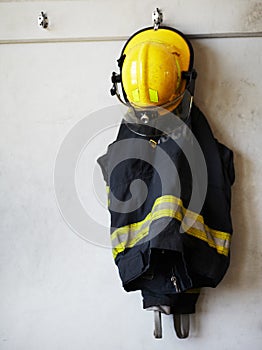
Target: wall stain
{"points": [[248, 83], [254, 17]]}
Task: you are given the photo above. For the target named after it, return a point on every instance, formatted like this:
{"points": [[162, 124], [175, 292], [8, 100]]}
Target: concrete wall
{"points": [[57, 290]]}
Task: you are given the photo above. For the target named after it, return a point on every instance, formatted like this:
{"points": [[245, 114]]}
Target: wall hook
{"points": [[43, 20], [157, 18]]}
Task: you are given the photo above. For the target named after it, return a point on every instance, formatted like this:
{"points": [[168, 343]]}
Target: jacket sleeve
{"points": [[228, 164], [103, 163], [209, 265]]}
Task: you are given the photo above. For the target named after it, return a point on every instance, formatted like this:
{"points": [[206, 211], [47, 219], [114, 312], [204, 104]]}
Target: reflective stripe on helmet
{"points": [[135, 94], [153, 95], [178, 75]]}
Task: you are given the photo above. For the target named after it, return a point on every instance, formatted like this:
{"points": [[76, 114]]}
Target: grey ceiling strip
{"points": [[225, 35], [124, 38]]}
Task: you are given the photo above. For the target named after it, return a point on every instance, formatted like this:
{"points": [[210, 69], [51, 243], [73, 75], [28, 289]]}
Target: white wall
{"points": [[57, 291]]}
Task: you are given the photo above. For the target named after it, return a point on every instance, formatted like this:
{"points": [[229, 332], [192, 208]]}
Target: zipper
{"points": [[175, 282]]}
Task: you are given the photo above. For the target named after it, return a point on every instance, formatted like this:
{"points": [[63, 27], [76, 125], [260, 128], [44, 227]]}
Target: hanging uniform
{"points": [[171, 263], [168, 179]]}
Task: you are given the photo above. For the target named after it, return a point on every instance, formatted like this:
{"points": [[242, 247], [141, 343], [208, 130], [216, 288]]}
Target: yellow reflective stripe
{"points": [[167, 212], [178, 74], [173, 199], [219, 234], [136, 95], [203, 236], [153, 95], [108, 199], [127, 236], [189, 230], [131, 227], [195, 216], [121, 246], [153, 215]]}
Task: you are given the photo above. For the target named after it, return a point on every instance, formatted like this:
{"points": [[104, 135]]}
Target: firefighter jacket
{"points": [[160, 247]]}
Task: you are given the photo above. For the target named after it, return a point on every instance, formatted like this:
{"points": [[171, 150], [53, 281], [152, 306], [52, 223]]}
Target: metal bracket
{"points": [[157, 18], [43, 20], [181, 324], [158, 325]]}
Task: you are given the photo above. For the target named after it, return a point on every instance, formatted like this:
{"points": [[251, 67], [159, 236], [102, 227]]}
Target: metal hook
{"points": [[182, 324], [157, 18], [43, 20]]}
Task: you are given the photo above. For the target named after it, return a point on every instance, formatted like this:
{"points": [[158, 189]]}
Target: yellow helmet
{"points": [[155, 68]]}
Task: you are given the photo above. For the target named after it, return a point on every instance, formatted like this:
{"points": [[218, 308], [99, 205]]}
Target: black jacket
{"points": [[159, 246]]}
